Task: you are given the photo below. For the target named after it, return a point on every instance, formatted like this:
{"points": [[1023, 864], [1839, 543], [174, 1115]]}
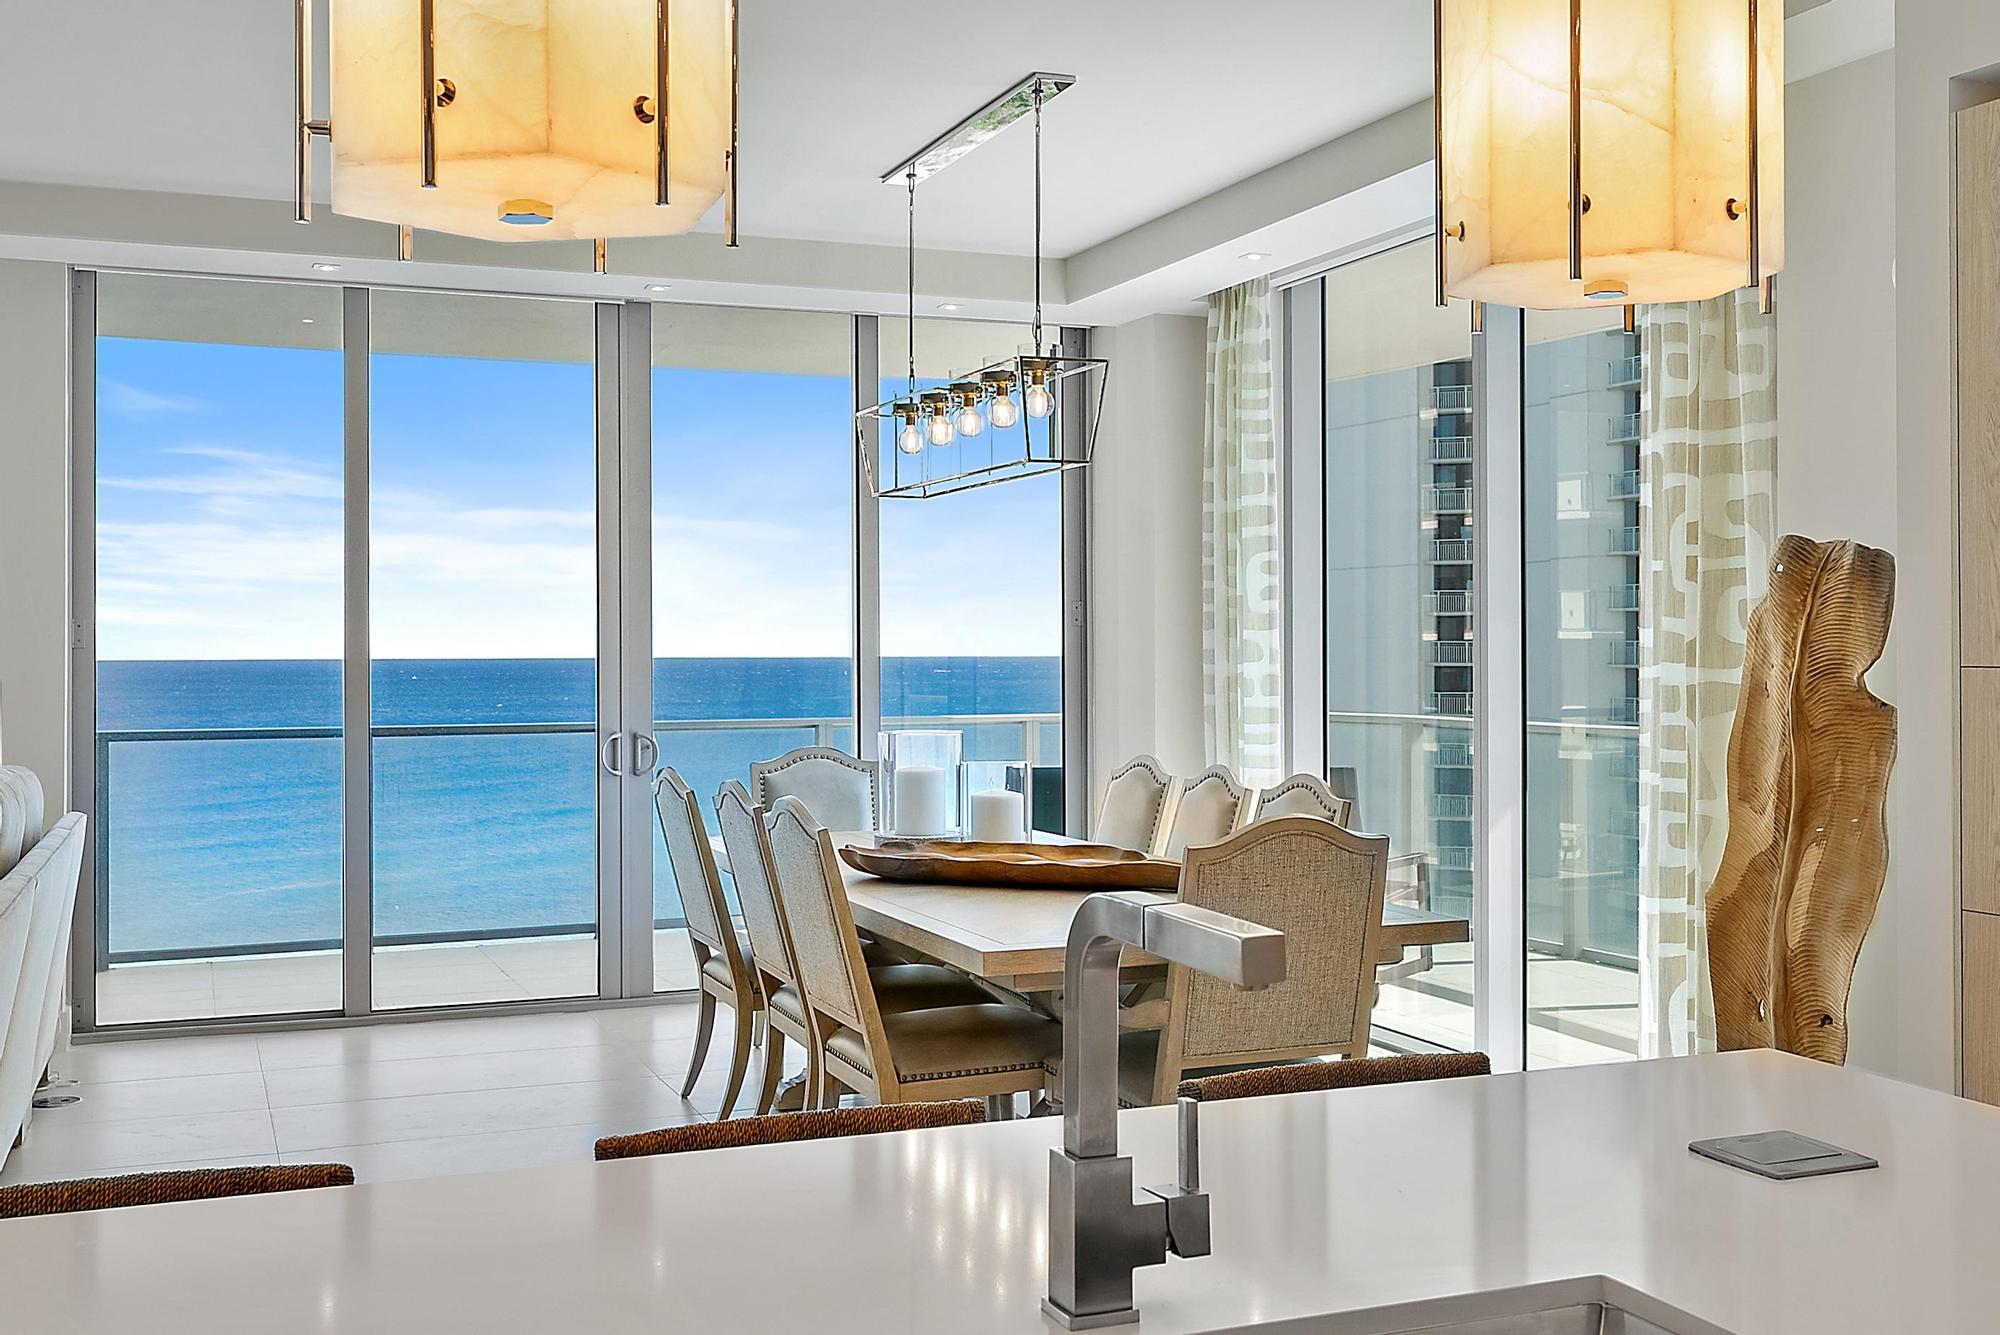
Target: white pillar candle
{"points": [[919, 800], [998, 817]]}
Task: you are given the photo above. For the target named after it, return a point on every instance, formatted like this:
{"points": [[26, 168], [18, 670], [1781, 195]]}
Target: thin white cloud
{"points": [[123, 400]]}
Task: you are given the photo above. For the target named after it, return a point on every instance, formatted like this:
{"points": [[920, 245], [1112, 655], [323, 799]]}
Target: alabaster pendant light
{"points": [[527, 120], [1608, 151]]}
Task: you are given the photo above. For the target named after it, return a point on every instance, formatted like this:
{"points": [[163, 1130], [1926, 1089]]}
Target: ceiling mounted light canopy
{"points": [[1595, 152], [520, 120]]}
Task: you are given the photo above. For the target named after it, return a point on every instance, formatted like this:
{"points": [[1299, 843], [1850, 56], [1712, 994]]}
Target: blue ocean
{"points": [[212, 844]]}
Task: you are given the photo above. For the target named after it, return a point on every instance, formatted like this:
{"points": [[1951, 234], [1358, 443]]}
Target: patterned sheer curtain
{"points": [[1709, 463], [1242, 665]]}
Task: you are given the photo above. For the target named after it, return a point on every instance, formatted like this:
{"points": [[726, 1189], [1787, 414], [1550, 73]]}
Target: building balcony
{"points": [[1625, 542], [1628, 370], [1447, 500], [1448, 602], [1451, 449], [1451, 398], [1451, 702], [1452, 755], [1625, 485], [1625, 653], [1452, 551], [1451, 806], [1624, 428], [1449, 653], [1625, 598]]}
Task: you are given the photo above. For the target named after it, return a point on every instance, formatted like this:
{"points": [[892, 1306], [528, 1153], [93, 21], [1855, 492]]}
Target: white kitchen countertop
{"points": [[1324, 1205]]}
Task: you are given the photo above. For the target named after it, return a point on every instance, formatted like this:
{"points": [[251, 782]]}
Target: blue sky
{"points": [[219, 515]]}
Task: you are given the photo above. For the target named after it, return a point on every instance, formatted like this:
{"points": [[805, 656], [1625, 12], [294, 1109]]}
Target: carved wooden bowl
{"points": [[1037, 866]]}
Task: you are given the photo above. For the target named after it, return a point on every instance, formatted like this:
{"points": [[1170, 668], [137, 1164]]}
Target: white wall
{"points": [[1837, 458], [34, 521], [1145, 548]]}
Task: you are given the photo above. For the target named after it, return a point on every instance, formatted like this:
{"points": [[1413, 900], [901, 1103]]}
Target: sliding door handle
{"points": [[607, 755], [644, 744]]}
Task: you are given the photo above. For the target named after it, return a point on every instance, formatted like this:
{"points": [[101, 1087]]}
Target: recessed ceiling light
{"points": [[1253, 256], [949, 306], [324, 267], [658, 287]]}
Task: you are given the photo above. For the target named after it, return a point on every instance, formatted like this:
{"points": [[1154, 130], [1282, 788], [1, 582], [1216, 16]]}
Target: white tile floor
{"points": [[419, 1099]]}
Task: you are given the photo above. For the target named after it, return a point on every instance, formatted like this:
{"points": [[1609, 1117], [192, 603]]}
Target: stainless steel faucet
{"points": [[1099, 1229]]}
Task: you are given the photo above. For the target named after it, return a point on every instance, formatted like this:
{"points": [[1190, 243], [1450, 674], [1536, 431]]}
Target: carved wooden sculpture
{"points": [[1808, 845]]}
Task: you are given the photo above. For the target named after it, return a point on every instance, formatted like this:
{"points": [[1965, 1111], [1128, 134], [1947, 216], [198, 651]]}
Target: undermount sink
{"points": [[1577, 1319], [1592, 1305]]}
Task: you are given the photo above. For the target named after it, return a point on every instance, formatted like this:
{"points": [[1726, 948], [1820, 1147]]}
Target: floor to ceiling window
{"points": [[322, 512], [1581, 377], [753, 626], [483, 628], [1399, 515], [972, 595], [218, 640]]}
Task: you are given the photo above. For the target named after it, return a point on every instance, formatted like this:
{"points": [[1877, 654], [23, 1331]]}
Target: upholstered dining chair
{"points": [[842, 792], [1134, 810], [722, 956], [785, 1128], [1321, 886], [1301, 795], [191, 1184], [898, 985], [983, 1049], [1349, 1073], [1209, 808]]}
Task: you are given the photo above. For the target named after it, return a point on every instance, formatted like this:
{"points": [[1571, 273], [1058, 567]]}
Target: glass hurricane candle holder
{"points": [[920, 778]]}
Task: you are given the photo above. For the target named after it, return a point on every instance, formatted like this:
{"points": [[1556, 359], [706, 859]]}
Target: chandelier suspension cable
{"points": [[913, 281], [1038, 217]]}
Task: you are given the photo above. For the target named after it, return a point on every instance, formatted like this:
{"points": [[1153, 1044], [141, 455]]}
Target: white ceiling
{"points": [[1175, 100]]}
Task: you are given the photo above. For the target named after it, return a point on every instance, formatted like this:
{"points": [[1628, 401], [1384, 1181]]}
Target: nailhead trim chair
{"points": [[1305, 1077], [786, 1127], [1302, 795], [1208, 810], [193, 1184], [842, 792], [1134, 808]]}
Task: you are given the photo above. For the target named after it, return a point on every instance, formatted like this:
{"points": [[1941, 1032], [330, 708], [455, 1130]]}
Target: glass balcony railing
{"points": [[1628, 370], [1625, 485], [1625, 598], [223, 842], [1625, 542], [1625, 653], [1625, 427]]}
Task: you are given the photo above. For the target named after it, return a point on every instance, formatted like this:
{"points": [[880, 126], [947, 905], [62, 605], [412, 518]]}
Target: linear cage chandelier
{"points": [[584, 119], [1604, 152], [1034, 413]]}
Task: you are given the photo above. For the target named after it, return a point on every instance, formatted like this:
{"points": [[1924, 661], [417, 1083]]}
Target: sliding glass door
{"points": [[400, 599], [752, 644], [217, 766], [483, 627]]}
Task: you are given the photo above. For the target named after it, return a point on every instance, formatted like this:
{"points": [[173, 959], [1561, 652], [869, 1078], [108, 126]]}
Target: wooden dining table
{"points": [[1016, 937]]}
